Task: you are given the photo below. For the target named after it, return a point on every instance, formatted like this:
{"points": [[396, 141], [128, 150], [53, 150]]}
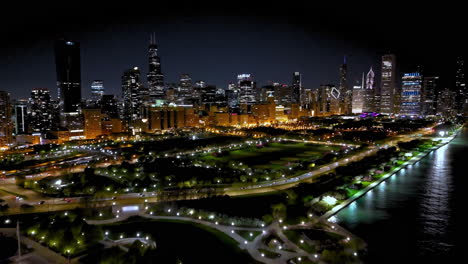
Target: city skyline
{"points": [[264, 41]]}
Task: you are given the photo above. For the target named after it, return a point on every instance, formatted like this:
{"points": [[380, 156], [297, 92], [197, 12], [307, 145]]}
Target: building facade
{"points": [[388, 88]]}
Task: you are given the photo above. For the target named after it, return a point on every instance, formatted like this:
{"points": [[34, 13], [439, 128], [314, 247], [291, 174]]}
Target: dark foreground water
{"points": [[420, 214]]}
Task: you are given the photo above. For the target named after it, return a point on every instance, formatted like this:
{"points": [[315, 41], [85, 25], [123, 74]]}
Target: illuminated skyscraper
{"points": [[411, 94], [92, 123], [247, 94], [6, 125], [97, 90], [429, 95], [359, 96], [185, 89], [446, 102], [388, 85], [132, 95], [155, 75], [21, 116], [370, 92], [296, 88], [40, 119], [460, 86]]}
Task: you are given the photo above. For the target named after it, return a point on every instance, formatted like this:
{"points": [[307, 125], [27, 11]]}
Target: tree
{"points": [[278, 210]]}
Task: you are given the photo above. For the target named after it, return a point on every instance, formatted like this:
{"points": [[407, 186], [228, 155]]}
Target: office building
{"points": [[388, 88], [411, 87], [155, 76], [6, 125], [429, 95], [40, 117], [97, 90]]}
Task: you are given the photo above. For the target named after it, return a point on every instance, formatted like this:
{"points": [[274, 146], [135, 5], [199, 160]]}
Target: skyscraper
{"points": [[132, 96], [359, 96], [446, 102], [346, 94], [388, 84], [68, 66], [6, 126], [97, 90], [155, 76], [411, 94], [247, 93], [40, 119], [185, 89], [370, 93], [429, 95], [296, 88], [109, 106], [460, 86], [21, 117]]}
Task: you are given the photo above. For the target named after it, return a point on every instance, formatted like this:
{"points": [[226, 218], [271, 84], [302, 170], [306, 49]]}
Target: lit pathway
{"points": [[251, 247]]}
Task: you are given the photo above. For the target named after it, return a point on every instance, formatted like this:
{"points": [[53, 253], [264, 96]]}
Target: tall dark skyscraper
{"points": [[429, 95], [155, 75], [460, 86], [296, 88], [132, 95], [68, 66], [346, 94], [388, 84]]}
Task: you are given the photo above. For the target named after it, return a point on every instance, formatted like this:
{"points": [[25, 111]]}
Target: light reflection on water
{"points": [[411, 211]]}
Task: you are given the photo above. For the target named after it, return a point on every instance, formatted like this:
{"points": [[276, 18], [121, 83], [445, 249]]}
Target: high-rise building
{"points": [[247, 94], [446, 102], [132, 95], [92, 123], [97, 90], [6, 125], [155, 76], [327, 99], [109, 106], [68, 66], [388, 85], [359, 96], [296, 88], [429, 95], [411, 87], [345, 92], [21, 117], [370, 92], [232, 98], [40, 108], [185, 89], [460, 86]]}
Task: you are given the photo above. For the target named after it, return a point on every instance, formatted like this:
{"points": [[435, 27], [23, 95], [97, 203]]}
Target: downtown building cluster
{"points": [[149, 105]]}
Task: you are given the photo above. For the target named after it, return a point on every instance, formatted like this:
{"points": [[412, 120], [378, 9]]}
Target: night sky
{"points": [[215, 42]]}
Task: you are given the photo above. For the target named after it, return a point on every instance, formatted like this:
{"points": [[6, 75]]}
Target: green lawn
{"points": [[295, 236], [248, 235], [275, 154], [269, 254]]}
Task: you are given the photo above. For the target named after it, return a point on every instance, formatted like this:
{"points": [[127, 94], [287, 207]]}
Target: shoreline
{"points": [[374, 184]]}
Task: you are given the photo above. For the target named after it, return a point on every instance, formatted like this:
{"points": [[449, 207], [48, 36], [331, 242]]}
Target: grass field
{"points": [[273, 155]]}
